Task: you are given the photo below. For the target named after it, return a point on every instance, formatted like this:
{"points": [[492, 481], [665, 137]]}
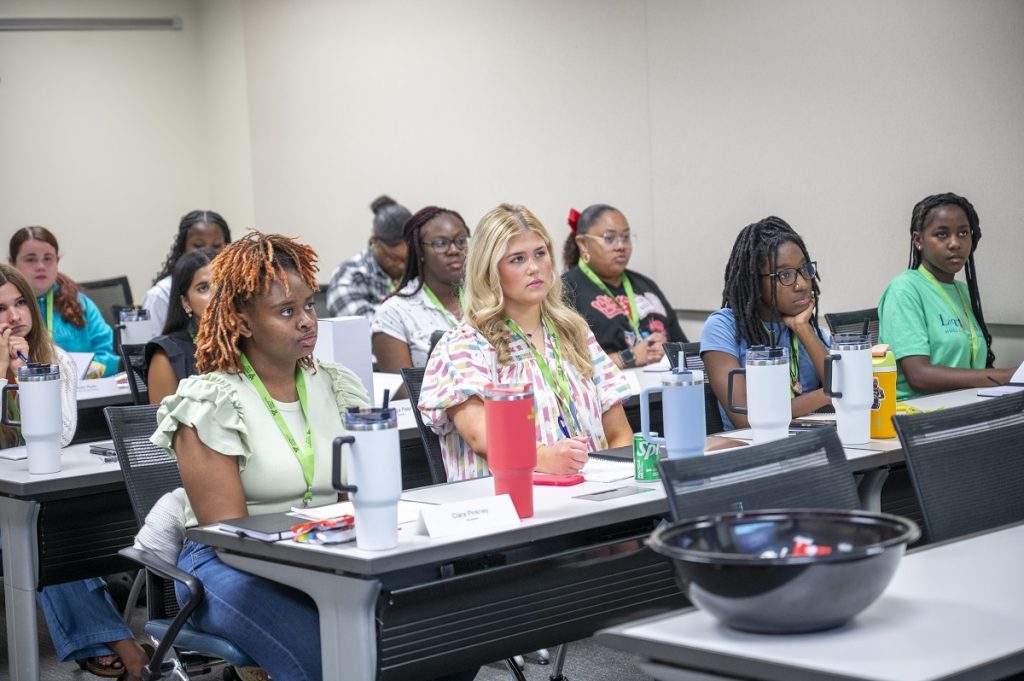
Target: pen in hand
{"points": [[22, 357]]}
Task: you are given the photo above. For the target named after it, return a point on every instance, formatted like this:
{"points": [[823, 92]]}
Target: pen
{"points": [[988, 377], [561, 426], [22, 357]]}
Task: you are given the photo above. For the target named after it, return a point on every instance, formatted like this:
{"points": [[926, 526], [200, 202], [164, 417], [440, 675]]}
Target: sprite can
{"points": [[645, 458]]}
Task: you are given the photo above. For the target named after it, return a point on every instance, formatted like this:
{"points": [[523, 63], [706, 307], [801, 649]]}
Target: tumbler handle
{"points": [[4, 416], [645, 415], [732, 374], [827, 383], [336, 466]]}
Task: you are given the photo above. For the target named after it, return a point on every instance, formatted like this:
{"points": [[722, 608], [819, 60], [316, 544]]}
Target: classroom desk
{"points": [[953, 611], [56, 528], [432, 606]]}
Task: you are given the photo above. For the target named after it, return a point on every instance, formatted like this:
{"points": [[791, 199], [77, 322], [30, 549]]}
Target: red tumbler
{"points": [[512, 442]]}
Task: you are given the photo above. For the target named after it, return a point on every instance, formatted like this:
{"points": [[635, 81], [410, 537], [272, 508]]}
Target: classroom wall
{"points": [[695, 117]]}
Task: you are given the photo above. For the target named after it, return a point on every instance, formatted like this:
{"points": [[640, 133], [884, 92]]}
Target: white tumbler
{"points": [[849, 382], [768, 407], [41, 423], [374, 474]]}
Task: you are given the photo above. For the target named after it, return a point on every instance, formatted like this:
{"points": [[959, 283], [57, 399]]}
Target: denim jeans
{"points": [[82, 618], [274, 624]]}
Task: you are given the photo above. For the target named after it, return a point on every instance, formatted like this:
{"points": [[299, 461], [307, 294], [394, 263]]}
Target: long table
{"points": [[56, 528], [953, 611]]}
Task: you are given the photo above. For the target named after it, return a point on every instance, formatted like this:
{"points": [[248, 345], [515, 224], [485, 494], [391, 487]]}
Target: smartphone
{"points": [[801, 426], [557, 480]]}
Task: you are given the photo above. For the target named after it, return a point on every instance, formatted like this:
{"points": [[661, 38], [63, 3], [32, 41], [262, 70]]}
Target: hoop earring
{"points": [[586, 257]]}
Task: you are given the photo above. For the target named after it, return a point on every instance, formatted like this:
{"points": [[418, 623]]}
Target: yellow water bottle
{"points": [[883, 367]]}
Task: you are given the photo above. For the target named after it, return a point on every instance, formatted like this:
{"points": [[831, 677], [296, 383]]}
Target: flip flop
{"points": [[114, 670]]}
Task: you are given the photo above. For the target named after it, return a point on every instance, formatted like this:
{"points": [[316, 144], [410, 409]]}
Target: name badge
{"points": [[472, 515]]}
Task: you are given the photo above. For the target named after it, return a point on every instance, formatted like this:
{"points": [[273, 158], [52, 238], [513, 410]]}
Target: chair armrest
{"points": [[196, 593]]}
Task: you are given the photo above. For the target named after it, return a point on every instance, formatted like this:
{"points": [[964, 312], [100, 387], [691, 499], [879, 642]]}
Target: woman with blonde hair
{"points": [[516, 329]]}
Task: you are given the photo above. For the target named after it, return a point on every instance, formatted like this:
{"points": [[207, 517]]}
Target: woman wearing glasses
{"points": [[627, 312], [771, 290], [427, 299]]}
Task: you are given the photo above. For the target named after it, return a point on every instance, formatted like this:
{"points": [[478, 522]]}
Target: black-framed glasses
{"points": [[441, 245], [611, 238], [787, 277]]}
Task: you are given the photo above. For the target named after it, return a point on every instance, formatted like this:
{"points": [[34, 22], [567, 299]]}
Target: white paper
{"points": [[14, 453], [474, 515], [382, 381], [1018, 375], [82, 361], [407, 511], [999, 390], [603, 470]]}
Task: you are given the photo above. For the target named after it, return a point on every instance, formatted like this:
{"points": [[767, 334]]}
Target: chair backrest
{"points": [[966, 465], [149, 473], [320, 301], [431, 444], [434, 338], [107, 293], [808, 470], [713, 422], [853, 322], [133, 359]]}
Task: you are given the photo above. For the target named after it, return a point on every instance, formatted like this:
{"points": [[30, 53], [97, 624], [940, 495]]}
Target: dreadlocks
{"points": [[411, 235], [188, 221], [919, 220], [243, 270], [756, 246]]}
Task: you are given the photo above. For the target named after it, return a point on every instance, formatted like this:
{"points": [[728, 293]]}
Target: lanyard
{"points": [[448, 317], [963, 307], [560, 387], [305, 455], [49, 310], [632, 313]]}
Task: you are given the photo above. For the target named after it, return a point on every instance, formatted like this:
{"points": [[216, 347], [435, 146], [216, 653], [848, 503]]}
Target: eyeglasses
{"points": [[441, 245], [787, 277], [611, 238]]}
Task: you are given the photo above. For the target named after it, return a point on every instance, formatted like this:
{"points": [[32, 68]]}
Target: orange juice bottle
{"points": [[883, 407]]}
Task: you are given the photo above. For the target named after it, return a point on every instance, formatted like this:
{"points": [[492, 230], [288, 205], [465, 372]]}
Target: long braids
{"points": [[756, 245], [919, 220], [411, 231], [188, 221], [243, 270]]}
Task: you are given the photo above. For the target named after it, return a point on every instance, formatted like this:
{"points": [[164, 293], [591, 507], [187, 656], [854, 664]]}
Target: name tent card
{"points": [[471, 515]]}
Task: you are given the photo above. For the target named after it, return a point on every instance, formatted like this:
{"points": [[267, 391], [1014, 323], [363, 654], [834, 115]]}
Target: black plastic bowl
{"points": [[740, 567]]}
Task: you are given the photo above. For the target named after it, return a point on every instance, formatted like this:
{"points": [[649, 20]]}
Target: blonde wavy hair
{"points": [[485, 300]]}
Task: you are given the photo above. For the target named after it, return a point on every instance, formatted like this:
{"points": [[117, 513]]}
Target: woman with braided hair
{"points": [[197, 229], [933, 323], [427, 299], [253, 434], [770, 293]]}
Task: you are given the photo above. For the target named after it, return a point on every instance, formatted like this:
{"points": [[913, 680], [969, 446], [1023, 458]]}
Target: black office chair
{"points": [[133, 360], [413, 379], [966, 465], [107, 293], [808, 470], [320, 301], [853, 322], [149, 474]]}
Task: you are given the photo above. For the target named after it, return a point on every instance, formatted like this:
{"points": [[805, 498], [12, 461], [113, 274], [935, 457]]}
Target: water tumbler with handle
{"points": [[512, 442], [768, 407], [848, 381], [39, 387], [374, 474], [682, 408], [883, 407]]}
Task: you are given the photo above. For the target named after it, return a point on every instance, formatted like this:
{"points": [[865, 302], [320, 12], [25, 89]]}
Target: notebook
{"points": [[267, 527]]}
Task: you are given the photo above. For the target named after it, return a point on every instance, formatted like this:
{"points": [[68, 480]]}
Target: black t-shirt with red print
{"points": [[608, 318]]}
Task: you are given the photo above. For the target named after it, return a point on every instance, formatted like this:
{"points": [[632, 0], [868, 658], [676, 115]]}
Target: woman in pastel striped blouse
{"points": [[517, 329]]}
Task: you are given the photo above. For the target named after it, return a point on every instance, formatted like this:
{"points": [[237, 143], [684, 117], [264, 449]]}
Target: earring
{"points": [[188, 312], [586, 257]]}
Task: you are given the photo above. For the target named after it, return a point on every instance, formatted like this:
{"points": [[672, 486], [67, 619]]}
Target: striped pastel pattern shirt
{"points": [[461, 366]]}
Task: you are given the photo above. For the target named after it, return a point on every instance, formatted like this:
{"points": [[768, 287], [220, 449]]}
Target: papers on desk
{"points": [[604, 470], [82, 361], [407, 511], [14, 453], [1015, 385], [103, 387]]}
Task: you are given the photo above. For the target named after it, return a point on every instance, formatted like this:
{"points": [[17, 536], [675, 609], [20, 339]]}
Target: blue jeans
{"points": [[82, 618], [274, 624]]}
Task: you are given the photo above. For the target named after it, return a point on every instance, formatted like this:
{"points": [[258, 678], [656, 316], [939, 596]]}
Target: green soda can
{"points": [[645, 458]]}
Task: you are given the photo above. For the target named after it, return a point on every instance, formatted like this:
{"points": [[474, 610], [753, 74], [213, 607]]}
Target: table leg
{"points": [[869, 489], [21, 557], [348, 641]]}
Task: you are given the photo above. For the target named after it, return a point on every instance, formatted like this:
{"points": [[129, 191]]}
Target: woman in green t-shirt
{"points": [[933, 323]]}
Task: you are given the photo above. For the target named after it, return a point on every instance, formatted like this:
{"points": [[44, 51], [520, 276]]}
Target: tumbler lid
{"points": [[851, 341], [371, 418], [38, 372], [505, 392], [680, 377], [760, 355]]}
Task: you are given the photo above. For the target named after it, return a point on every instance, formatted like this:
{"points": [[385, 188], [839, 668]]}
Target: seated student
{"points": [[427, 299], [361, 284], [770, 285], [172, 356], [627, 312], [934, 324], [77, 325], [81, 616], [197, 229], [516, 329]]}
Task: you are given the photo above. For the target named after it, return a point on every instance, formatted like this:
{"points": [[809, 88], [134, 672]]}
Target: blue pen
{"points": [[22, 357], [561, 425]]}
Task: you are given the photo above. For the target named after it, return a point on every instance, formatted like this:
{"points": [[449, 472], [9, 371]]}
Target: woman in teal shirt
{"points": [[933, 323], [74, 321]]}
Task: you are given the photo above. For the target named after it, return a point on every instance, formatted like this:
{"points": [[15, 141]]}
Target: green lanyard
{"points": [[49, 311], [963, 307], [633, 313], [448, 317], [305, 455], [560, 387]]}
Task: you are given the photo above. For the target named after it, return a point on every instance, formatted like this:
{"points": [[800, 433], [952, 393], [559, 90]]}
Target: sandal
{"points": [[114, 670], [252, 674]]}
